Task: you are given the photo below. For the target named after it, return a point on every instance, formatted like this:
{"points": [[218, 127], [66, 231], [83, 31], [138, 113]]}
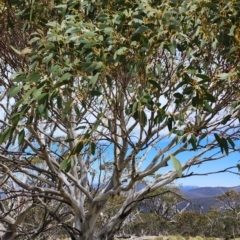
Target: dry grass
{"points": [[176, 237]]}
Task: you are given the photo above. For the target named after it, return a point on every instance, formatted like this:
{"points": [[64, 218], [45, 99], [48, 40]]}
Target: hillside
{"points": [[203, 198], [203, 192]]}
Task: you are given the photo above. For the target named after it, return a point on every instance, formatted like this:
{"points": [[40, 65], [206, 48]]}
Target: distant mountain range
{"points": [[202, 198], [188, 187], [201, 192]]}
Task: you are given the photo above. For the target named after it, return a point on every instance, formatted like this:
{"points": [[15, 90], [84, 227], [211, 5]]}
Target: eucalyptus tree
{"points": [[103, 95]]}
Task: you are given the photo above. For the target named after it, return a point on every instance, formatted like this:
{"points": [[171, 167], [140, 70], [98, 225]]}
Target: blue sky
{"points": [[212, 180]]}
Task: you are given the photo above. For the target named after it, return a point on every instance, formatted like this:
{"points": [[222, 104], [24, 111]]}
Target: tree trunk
{"points": [[109, 230], [107, 233], [9, 233]]}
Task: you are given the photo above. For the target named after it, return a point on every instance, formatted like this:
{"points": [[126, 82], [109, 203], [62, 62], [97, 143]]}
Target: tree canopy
{"points": [[99, 96]]}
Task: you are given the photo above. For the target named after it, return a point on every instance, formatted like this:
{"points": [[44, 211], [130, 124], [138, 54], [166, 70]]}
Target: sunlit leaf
{"points": [[177, 165], [232, 29]]}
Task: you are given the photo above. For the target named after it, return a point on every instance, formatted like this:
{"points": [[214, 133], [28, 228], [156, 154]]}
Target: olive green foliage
{"points": [[217, 223], [87, 44], [186, 224]]}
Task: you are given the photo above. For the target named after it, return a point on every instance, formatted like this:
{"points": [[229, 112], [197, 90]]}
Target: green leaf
{"points": [[223, 76], [96, 124], [47, 58], [120, 51], [90, 45], [188, 90], [28, 93], [52, 24], [231, 142], [15, 119], [193, 141], [78, 148], [40, 96], [93, 79], [179, 132], [203, 77], [108, 30], [36, 93], [169, 123], [177, 165], [214, 44], [178, 95], [59, 102], [34, 39], [159, 69], [93, 148], [34, 77], [65, 76], [95, 93], [66, 164], [210, 97], [76, 109], [219, 140], [88, 34], [134, 107], [226, 119], [143, 118], [80, 127], [159, 118], [18, 103], [15, 50], [29, 120], [154, 83], [109, 81], [19, 78], [225, 145], [207, 107], [195, 101], [21, 137], [13, 91], [98, 65], [5, 135], [141, 29], [172, 49], [231, 32], [67, 108]]}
